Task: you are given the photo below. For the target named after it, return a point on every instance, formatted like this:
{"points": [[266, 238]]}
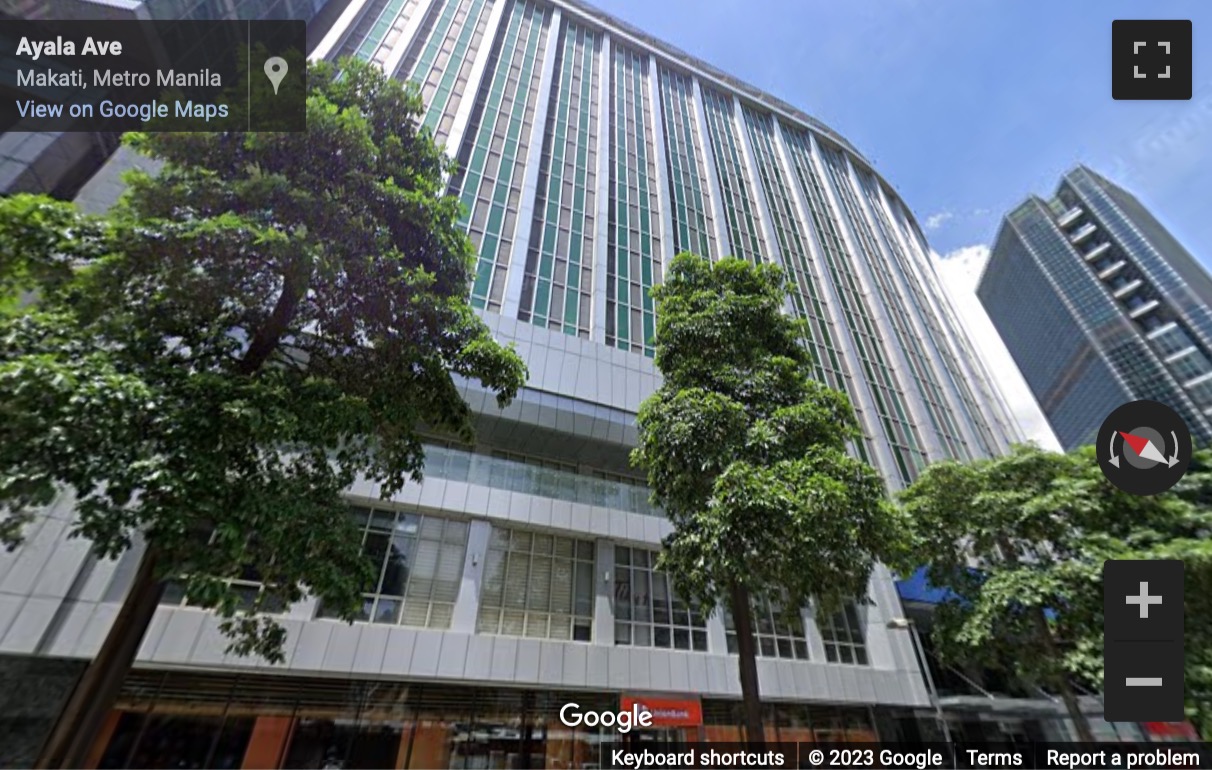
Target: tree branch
{"points": [[265, 341]]}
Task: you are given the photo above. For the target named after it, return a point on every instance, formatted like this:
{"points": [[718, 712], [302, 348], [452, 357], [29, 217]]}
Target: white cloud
{"points": [[935, 221], [960, 270]]}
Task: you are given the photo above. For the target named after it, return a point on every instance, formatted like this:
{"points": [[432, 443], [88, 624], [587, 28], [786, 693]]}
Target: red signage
{"points": [[666, 712], [1176, 730]]}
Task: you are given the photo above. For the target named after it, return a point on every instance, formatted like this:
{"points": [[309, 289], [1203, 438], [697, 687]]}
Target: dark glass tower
{"points": [[1100, 305]]}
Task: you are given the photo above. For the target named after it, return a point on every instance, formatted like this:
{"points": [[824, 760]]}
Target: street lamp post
{"points": [[919, 653]]}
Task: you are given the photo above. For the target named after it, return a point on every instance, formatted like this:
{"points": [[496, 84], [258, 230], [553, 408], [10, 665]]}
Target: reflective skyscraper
{"points": [[1100, 305]]}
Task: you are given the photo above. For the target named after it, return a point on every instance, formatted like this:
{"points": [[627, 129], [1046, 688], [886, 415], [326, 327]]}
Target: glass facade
{"points": [[537, 585], [797, 260], [493, 156], [183, 719], [419, 566], [451, 36], [693, 222], [887, 393], [647, 610], [1117, 315], [378, 30], [777, 632], [740, 205], [633, 245], [602, 219], [842, 633], [557, 290]]}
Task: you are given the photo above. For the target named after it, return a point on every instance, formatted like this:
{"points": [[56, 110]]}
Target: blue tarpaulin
{"points": [[916, 588]]}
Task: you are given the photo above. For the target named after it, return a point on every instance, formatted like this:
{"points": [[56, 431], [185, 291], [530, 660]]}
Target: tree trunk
{"points": [[1040, 619], [98, 689], [1062, 681], [751, 697]]}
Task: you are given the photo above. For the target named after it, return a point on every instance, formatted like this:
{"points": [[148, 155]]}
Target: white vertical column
{"points": [[462, 117], [405, 40], [902, 373], [867, 412], [603, 193], [664, 195], [717, 632], [603, 602], [749, 160], [530, 176], [995, 411], [331, 42], [724, 245], [892, 473], [941, 373], [467, 605]]}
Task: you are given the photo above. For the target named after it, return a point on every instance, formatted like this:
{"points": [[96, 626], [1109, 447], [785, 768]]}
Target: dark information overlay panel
{"points": [[894, 756], [153, 76]]}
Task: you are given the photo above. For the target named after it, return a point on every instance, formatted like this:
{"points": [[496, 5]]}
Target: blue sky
{"points": [[966, 106]]}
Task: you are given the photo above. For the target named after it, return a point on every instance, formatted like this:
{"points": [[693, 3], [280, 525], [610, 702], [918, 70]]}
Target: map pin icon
{"points": [[275, 70]]}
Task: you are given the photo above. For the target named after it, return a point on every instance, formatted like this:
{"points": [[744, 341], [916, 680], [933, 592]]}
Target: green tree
{"points": [[210, 366], [1021, 539], [747, 454]]}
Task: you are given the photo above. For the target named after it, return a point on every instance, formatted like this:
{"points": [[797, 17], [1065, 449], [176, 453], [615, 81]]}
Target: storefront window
{"points": [[419, 561], [537, 585], [647, 611], [319, 723], [159, 740]]}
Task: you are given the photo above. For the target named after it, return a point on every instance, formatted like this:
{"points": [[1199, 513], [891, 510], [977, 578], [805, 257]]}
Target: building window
{"points": [[419, 563], [778, 634], [538, 462], [647, 611], [537, 585], [843, 635], [248, 588]]}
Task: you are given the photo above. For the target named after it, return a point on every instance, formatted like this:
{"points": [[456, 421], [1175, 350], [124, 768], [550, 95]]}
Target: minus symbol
{"points": [[1144, 681]]}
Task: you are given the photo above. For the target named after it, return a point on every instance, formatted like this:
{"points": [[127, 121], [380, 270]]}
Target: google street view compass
{"points": [[1144, 447]]}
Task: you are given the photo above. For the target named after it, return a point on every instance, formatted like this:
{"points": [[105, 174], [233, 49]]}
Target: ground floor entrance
{"points": [[206, 720]]}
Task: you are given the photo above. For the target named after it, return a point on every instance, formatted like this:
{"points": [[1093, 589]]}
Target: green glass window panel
{"points": [[542, 296], [495, 215], [570, 313], [488, 249], [483, 278]]}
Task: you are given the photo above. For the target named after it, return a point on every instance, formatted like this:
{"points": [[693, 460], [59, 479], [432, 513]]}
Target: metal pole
{"points": [[920, 652]]}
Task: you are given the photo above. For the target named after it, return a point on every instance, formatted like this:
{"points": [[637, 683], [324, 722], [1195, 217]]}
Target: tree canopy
{"points": [[210, 365], [747, 454], [1020, 541]]}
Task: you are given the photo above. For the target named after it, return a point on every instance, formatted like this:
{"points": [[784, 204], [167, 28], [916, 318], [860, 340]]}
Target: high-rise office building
{"points": [[1100, 305], [520, 575]]}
